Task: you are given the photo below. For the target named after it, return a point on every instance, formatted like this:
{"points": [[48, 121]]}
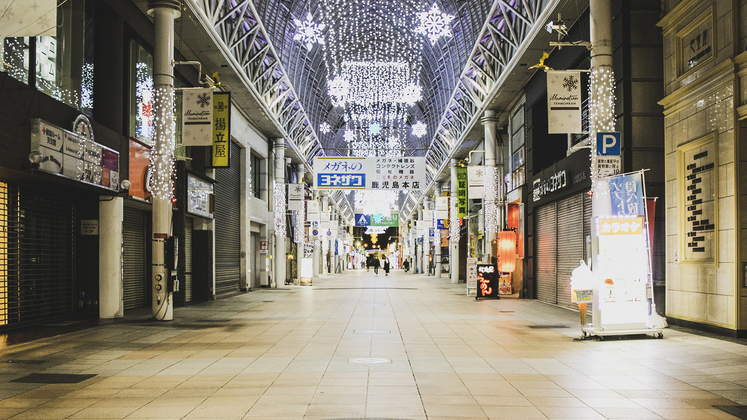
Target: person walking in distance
{"points": [[376, 265], [386, 266]]}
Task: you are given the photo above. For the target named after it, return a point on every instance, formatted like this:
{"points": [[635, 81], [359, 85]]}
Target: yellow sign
{"points": [[221, 150], [617, 226]]}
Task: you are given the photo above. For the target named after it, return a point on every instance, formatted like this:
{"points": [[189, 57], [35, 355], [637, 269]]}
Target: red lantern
{"points": [[506, 251]]}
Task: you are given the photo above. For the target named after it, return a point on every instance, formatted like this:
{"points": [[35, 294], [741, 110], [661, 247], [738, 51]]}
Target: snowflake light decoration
{"points": [[434, 24], [309, 32], [374, 128], [339, 89], [349, 136], [325, 128], [419, 129], [411, 94]]}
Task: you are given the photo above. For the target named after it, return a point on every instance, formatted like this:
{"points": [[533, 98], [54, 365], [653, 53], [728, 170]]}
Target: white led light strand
{"points": [[279, 196], [601, 111], [453, 221], [162, 160], [490, 199]]}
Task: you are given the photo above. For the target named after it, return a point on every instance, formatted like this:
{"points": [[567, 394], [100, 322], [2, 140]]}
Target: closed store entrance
{"points": [[561, 228], [136, 271], [37, 254], [228, 225]]}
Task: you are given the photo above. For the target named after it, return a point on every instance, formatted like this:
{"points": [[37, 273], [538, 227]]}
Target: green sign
{"points": [[461, 192], [379, 220]]}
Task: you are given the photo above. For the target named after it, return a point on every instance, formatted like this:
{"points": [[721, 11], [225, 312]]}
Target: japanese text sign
{"points": [[621, 226], [197, 116], [626, 195], [373, 173], [221, 129], [487, 281], [461, 192]]}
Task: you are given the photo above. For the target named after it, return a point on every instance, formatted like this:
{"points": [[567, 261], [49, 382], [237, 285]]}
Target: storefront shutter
{"points": [[546, 248], [37, 232], [134, 269], [188, 225], [570, 215], [228, 225]]}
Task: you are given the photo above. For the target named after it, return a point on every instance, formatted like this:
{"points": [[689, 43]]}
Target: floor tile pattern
{"points": [[287, 354]]}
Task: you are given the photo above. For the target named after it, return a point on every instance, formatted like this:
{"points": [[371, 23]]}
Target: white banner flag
{"points": [[19, 18], [197, 117], [475, 181], [563, 102], [295, 196]]}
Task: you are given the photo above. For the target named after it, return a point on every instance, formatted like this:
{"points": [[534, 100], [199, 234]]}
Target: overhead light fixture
{"points": [[309, 32], [434, 24]]}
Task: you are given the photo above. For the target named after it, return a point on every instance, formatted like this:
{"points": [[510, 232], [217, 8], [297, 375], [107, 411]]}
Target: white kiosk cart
{"points": [[622, 298]]}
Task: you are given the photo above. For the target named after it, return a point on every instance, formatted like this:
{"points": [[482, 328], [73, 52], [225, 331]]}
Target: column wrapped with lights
{"points": [[453, 220], [279, 196], [601, 110], [298, 235], [490, 200], [162, 158]]}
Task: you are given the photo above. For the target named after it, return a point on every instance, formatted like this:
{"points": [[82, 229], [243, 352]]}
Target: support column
{"points": [[162, 156], [323, 236], [454, 227], [279, 206], [317, 241], [601, 103], [437, 234], [111, 294], [491, 207], [418, 258], [301, 220]]}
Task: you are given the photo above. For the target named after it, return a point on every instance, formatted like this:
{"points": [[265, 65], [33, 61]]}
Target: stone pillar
{"points": [[454, 227], [437, 234], [301, 220], [491, 206], [279, 206], [111, 298]]}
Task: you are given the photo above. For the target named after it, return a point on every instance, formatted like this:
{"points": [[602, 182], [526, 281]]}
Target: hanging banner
{"points": [[626, 195], [563, 102], [295, 196], [365, 220], [461, 192], [442, 207], [20, 20], [475, 181], [221, 129], [197, 117], [370, 173]]}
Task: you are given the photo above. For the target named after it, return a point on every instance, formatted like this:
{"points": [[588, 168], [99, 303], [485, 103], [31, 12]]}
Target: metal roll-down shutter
{"points": [[228, 225]]}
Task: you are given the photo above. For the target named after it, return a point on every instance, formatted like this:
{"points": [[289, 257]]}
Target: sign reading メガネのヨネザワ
{"points": [[73, 156], [369, 173]]}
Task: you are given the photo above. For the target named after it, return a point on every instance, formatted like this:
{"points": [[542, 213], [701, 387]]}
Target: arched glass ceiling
{"points": [[440, 63]]}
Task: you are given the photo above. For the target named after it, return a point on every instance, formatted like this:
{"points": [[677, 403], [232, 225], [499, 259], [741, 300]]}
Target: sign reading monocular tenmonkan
{"points": [[370, 173]]}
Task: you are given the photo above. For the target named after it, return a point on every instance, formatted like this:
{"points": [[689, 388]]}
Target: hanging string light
{"points": [[279, 196], [490, 199], [453, 221], [162, 159], [601, 111]]}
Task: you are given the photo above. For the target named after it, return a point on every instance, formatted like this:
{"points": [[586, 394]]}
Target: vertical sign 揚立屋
{"points": [[221, 150]]}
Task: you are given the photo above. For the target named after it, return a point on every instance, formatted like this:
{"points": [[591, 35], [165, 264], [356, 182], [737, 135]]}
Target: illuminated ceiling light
{"points": [[411, 94], [309, 32], [419, 129], [374, 128], [349, 136], [434, 24], [325, 128]]}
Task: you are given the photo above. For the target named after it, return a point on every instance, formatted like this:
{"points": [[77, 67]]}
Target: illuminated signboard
{"points": [[623, 267], [73, 156], [487, 281]]}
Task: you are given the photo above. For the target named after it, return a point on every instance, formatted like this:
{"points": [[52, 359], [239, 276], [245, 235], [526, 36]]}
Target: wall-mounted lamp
{"points": [[35, 157]]}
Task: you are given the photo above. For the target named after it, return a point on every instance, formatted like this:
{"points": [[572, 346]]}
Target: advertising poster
{"points": [[197, 116], [471, 273], [623, 268], [487, 281], [564, 102], [370, 173]]}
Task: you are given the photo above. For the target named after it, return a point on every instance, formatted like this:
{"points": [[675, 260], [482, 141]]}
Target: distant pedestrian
{"points": [[406, 265], [376, 265], [386, 266]]}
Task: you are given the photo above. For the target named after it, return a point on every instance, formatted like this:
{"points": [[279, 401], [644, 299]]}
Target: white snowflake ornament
{"points": [[309, 32], [434, 24]]}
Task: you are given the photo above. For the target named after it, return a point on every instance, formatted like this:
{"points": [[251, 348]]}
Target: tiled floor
{"points": [[290, 354]]}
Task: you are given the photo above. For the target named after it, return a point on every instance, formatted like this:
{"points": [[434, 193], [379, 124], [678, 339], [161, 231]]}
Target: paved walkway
{"points": [[307, 352]]}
